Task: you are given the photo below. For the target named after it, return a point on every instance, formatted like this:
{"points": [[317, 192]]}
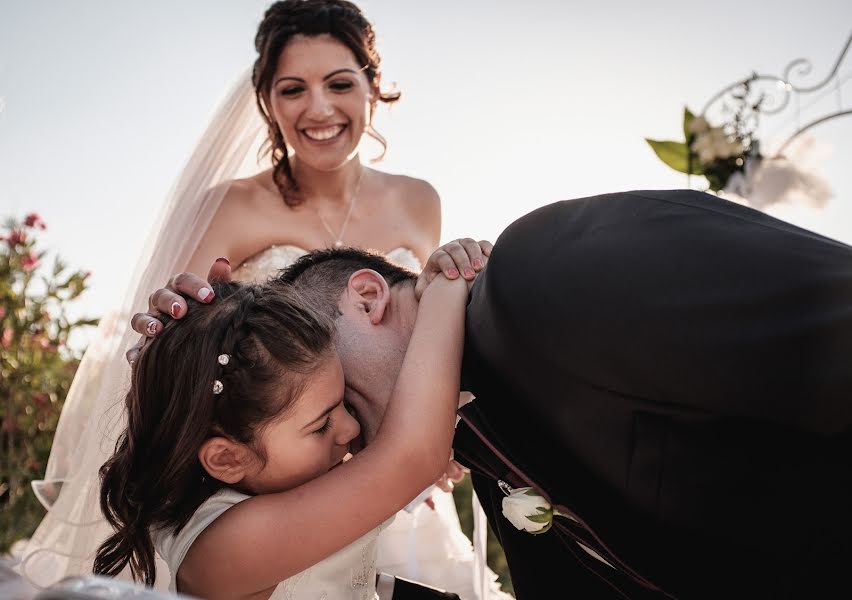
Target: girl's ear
{"points": [[225, 460]]}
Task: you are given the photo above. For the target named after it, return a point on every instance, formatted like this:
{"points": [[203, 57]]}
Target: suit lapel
{"points": [[478, 448]]}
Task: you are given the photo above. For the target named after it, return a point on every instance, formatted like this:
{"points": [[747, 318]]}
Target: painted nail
{"points": [[224, 260], [469, 273], [175, 309], [477, 264], [205, 294], [151, 328], [453, 273]]}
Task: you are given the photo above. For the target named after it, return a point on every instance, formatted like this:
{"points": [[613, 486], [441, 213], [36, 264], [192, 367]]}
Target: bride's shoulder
{"points": [[417, 204], [417, 196], [407, 184], [249, 192]]}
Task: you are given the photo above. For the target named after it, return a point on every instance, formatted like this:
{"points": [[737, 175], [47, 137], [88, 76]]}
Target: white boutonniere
{"points": [[527, 510]]}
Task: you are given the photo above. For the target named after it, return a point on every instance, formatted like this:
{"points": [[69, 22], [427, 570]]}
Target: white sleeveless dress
{"points": [[423, 545], [348, 574]]}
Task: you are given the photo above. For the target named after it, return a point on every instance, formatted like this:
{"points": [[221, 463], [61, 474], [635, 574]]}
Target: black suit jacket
{"points": [[676, 370]]}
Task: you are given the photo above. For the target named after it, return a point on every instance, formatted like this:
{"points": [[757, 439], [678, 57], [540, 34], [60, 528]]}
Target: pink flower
{"points": [[16, 237], [29, 262], [6, 340], [34, 220]]}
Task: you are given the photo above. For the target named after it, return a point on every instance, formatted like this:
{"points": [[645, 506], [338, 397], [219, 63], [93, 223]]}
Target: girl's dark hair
{"points": [[338, 18], [154, 478]]}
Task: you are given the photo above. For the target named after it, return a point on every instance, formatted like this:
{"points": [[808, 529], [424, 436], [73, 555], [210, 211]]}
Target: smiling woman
{"points": [[316, 84]]}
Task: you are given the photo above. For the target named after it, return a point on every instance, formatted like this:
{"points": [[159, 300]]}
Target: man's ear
{"points": [[225, 460], [370, 293]]}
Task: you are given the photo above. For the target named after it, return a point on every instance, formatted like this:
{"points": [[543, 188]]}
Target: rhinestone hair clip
{"points": [[218, 386]]}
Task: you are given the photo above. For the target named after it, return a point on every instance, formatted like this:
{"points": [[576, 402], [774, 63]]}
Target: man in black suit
{"points": [[672, 371]]}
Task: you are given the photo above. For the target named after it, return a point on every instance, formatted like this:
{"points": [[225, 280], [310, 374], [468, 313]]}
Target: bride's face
{"points": [[320, 99], [309, 439]]}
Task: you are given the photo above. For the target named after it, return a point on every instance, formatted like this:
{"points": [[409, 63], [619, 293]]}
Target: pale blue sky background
{"points": [[506, 105]]}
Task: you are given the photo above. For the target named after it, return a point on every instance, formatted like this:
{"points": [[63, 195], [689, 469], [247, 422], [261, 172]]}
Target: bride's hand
{"points": [[168, 300], [465, 257]]}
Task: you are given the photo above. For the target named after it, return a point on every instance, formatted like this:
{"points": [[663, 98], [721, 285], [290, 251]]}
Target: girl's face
{"points": [[310, 439], [320, 98]]}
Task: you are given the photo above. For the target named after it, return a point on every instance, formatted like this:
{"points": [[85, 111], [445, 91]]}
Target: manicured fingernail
{"points": [[206, 294], [175, 309], [477, 264], [453, 273], [224, 260], [469, 273], [151, 328]]}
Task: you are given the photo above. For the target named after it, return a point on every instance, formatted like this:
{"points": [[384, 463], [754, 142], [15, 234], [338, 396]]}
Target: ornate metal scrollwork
{"points": [[776, 99]]}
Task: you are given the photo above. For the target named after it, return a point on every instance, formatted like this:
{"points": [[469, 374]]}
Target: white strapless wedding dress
{"points": [[424, 545]]}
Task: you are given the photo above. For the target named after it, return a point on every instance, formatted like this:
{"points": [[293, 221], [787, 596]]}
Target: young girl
{"points": [[233, 461]]}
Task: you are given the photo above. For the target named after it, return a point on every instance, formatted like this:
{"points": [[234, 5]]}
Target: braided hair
{"points": [[340, 19], [154, 478]]}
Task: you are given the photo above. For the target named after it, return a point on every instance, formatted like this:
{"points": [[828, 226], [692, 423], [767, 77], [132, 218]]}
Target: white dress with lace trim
{"points": [[267, 263]]}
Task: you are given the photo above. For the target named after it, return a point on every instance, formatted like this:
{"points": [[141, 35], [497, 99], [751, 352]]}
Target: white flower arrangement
{"points": [[728, 156], [713, 151]]}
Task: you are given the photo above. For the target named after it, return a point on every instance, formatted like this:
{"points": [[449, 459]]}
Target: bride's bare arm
{"points": [[270, 537], [229, 230]]}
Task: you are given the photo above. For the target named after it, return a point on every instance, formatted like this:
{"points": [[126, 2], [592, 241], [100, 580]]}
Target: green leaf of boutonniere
{"points": [[687, 119], [676, 155], [544, 517]]}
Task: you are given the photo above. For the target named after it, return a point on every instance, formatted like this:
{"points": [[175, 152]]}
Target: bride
{"points": [[316, 83]]}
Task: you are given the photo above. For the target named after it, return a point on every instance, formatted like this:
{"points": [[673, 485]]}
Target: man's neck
{"points": [[405, 305]]}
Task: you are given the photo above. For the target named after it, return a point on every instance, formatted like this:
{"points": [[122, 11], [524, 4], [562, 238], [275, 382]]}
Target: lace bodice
{"points": [[348, 574], [267, 263]]}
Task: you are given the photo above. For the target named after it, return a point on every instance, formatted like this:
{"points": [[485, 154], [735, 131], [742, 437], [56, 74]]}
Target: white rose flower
{"points": [[528, 511], [698, 125], [735, 147], [725, 146], [707, 156], [703, 147], [714, 144]]}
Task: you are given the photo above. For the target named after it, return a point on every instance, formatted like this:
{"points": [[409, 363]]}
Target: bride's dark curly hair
{"points": [[154, 479], [338, 18]]}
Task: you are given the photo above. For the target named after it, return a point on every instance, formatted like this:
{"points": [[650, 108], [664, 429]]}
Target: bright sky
{"points": [[506, 105]]}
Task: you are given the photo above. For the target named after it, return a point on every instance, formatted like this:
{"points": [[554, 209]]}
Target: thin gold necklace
{"points": [[338, 239]]}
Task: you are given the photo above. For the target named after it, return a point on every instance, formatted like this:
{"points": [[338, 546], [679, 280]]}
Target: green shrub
{"points": [[36, 367]]}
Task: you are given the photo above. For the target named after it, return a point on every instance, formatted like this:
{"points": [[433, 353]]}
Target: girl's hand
{"points": [[464, 257]]}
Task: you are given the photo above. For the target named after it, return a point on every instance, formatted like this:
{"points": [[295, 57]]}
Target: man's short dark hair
{"points": [[321, 276]]}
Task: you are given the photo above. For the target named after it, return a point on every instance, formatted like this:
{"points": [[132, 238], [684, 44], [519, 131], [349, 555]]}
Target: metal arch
{"points": [[800, 67]]}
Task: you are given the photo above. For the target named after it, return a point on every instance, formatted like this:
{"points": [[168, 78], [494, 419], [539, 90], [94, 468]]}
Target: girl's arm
{"points": [[268, 538]]}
